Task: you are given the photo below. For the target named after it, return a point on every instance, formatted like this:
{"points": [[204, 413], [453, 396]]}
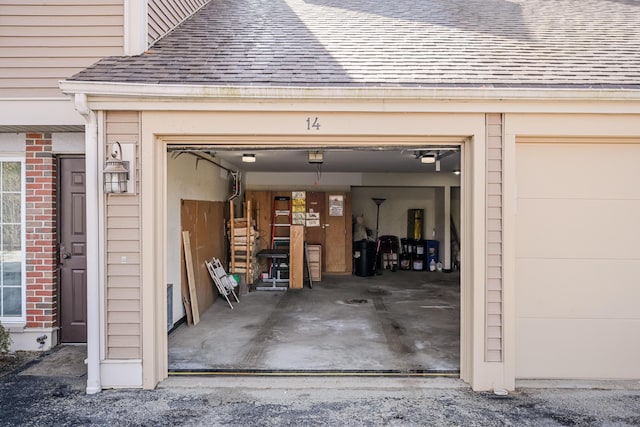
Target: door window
{"points": [[12, 255]]}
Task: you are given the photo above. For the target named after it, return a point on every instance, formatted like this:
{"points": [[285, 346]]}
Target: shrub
{"points": [[5, 340]]}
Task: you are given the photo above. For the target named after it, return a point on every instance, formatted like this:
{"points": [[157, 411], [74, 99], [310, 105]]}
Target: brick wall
{"points": [[41, 199]]}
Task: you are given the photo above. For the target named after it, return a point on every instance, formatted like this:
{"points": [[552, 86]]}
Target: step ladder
{"points": [[280, 241], [281, 225]]}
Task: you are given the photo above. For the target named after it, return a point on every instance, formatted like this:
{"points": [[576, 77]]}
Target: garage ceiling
{"points": [[359, 160]]}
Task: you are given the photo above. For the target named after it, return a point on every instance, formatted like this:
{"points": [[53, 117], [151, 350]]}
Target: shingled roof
{"points": [[415, 43]]}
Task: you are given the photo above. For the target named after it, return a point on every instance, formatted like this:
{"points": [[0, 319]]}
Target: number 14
{"points": [[315, 124]]}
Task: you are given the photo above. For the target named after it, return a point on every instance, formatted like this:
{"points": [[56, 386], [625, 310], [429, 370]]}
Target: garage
{"points": [[369, 310], [548, 138], [577, 258]]}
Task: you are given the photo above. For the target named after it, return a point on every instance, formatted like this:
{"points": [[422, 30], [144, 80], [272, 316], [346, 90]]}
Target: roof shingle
{"points": [[441, 43]]}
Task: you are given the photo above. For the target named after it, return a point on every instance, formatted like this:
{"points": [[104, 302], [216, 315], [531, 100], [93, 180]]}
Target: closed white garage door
{"points": [[578, 261]]}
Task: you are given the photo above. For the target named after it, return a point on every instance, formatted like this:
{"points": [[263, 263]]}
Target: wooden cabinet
{"points": [[314, 254]]}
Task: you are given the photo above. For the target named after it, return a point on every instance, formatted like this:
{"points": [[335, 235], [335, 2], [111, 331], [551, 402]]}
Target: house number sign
{"points": [[313, 123]]}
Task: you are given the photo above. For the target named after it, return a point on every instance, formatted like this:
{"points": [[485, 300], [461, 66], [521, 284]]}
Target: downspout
{"points": [[92, 211]]}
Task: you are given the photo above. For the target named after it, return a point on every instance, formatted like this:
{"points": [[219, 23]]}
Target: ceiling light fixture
{"points": [[428, 159], [248, 158], [437, 165], [456, 172]]}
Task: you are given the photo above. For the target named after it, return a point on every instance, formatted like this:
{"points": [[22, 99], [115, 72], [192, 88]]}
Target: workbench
{"points": [[279, 262]]}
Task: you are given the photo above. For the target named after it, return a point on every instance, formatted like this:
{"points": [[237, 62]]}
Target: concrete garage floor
{"points": [[407, 321]]}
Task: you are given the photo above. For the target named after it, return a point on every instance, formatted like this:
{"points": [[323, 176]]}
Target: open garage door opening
{"points": [[343, 259]]}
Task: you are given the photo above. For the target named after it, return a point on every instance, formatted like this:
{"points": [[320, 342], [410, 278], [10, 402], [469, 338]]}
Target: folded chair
{"points": [[221, 279]]}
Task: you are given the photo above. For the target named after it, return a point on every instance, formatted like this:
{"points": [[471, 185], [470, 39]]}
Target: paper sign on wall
{"points": [[336, 205], [298, 207], [313, 219]]}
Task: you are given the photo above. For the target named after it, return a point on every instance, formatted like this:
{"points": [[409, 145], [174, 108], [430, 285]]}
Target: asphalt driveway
{"points": [[38, 395]]}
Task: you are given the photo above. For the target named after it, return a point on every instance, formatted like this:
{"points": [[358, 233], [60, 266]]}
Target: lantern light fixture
{"points": [[116, 171]]}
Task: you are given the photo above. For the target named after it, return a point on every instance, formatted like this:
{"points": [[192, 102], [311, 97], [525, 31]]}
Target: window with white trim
{"points": [[12, 250]]}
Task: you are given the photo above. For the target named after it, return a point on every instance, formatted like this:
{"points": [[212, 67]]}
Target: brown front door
{"points": [[314, 234], [337, 222], [72, 250]]}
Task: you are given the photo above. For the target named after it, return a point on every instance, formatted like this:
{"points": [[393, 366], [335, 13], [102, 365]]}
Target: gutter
{"points": [[357, 93], [93, 276]]}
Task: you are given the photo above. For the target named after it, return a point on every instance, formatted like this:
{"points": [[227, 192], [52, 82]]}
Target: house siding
{"points": [[164, 15], [123, 249], [42, 42], [494, 291]]}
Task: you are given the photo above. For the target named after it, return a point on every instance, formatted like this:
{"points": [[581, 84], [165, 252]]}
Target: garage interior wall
{"points": [[304, 181], [393, 212], [403, 191], [186, 181]]}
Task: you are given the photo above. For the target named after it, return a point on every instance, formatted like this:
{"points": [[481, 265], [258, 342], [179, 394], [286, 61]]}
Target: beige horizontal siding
{"points": [[122, 294], [126, 318], [43, 42], [119, 247], [66, 42], [124, 353], [119, 269], [124, 233], [493, 297], [122, 222], [131, 282], [116, 209], [131, 257], [120, 329], [123, 252], [165, 15]]}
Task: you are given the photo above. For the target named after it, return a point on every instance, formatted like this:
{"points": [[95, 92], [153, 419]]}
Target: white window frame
{"points": [[8, 321]]}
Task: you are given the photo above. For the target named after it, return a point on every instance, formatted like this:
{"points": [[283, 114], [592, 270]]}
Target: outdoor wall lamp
{"points": [[116, 171]]}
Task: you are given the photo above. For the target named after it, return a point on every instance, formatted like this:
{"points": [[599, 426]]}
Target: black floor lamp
{"points": [[378, 201]]}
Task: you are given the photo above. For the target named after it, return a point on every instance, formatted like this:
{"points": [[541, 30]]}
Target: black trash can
{"points": [[364, 257]]}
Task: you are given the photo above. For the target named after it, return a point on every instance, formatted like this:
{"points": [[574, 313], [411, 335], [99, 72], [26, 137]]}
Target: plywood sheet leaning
{"points": [[296, 257], [188, 260], [205, 222], [187, 308]]}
